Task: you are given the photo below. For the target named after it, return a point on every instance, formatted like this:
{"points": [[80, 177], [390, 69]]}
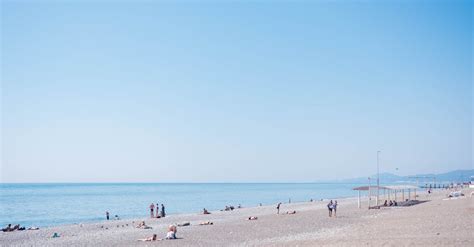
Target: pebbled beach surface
{"points": [[436, 222]]}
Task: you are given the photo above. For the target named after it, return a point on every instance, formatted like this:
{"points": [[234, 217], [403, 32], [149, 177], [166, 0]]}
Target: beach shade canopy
{"points": [[366, 188], [401, 187], [389, 187]]}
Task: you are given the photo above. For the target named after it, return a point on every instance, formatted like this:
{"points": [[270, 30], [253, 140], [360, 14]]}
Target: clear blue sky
{"points": [[236, 92]]}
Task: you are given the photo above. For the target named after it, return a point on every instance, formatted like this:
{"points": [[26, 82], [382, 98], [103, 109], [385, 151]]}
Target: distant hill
{"points": [[448, 177]]}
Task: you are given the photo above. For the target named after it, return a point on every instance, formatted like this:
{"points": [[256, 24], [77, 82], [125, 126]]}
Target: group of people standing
{"points": [[332, 207], [159, 213]]}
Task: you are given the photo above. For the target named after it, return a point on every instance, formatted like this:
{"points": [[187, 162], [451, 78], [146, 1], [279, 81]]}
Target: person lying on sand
{"points": [[152, 238], [172, 229], [142, 225], [9, 228], [184, 224], [205, 223], [252, 218], [291, 212], [204, 211]]}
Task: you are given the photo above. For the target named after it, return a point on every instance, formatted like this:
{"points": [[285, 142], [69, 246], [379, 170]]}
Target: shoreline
{"points": [[308, 227], [198, 213], [351, 199], [188, 213], [130, 202]]}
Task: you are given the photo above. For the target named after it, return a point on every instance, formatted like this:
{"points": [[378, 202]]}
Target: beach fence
{"points": [[390, 192]]}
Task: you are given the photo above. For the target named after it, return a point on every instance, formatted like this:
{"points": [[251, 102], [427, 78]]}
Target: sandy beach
{"points": [[436, 222]]}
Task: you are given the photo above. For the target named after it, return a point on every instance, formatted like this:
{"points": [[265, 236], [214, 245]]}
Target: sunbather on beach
{"points": [[291, 212], [152, 238], [14, 228], [252, 218], [204, 211], [385, 203], [205, 223], [172, 229], [9, 228], [142, 225]]}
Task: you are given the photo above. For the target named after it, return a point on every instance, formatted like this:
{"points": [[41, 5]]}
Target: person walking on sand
{"points": [[334, 208], [278, 207], [163, 214], [152, 208], [330, 205], [107, 215]]}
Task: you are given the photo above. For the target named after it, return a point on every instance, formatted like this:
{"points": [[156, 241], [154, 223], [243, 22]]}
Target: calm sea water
{"points": [[55, 204]]}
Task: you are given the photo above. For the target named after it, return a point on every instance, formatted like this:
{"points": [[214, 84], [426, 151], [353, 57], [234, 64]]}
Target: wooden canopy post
{"points": [[370, 194], [358, 199]]}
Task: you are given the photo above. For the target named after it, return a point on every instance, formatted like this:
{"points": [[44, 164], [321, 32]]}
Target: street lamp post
{"points": [[370, 194], [378, 180]]}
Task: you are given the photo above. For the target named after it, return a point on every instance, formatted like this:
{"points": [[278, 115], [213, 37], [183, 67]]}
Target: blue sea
{"points": [[56, 204]]}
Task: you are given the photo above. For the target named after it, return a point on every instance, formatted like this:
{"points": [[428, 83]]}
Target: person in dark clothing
{"points": [[163, 214], [107, 214]]}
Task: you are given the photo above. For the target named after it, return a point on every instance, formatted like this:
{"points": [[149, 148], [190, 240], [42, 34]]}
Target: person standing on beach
{"points": [[152, 208], [163, 214], [157, 207], [330, 205], [334, 208], [107, 214], [278, 207]]}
